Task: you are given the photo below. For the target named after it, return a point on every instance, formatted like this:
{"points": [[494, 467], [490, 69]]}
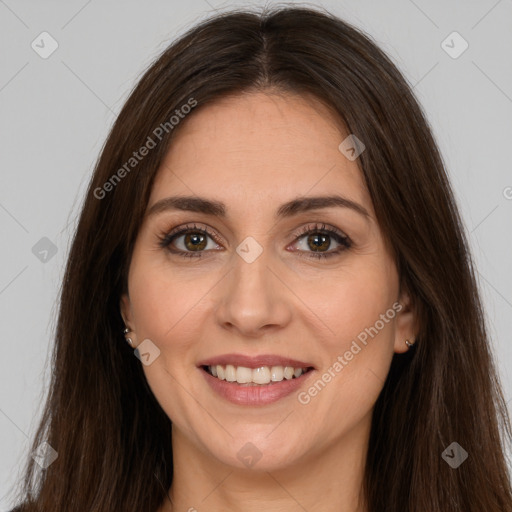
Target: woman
{"points": [[270, 231]]}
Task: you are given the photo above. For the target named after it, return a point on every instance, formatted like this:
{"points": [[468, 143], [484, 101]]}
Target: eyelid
{"points": [[317, 227], [194, 226], [166, 238], [166, 235], [340, 237]]}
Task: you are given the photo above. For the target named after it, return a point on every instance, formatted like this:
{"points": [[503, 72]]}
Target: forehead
{"points": [[261, 147]]}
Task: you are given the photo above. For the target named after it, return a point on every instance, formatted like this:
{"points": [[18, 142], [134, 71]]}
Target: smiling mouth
{"points": [[255, 376]]}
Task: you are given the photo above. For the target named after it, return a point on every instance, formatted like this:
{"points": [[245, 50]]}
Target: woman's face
{"points": [[278, 282]]}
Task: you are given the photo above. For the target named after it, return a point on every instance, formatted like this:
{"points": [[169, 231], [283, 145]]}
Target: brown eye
{"points": [[195, 241], [190, 241], [316, 241]]}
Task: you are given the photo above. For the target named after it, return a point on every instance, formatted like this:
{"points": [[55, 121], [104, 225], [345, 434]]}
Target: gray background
{"points": [[56, 112]]}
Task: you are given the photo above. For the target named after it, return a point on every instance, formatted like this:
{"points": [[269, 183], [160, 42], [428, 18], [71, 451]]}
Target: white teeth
{"points": [[230, 373], [243, 375], [261, 375], [277, 373], [288, 372]]}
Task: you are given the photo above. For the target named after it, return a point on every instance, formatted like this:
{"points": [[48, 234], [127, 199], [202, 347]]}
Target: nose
{"points": [[254, 300]]}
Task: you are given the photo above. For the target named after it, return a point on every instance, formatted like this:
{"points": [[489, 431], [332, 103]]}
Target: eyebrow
{"points": [[288, 209]]}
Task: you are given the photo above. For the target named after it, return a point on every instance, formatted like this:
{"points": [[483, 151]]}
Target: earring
{"points": [[125, 332], [409, 344]]}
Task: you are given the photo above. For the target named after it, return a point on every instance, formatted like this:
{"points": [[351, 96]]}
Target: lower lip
{"points": [[260, 394]]}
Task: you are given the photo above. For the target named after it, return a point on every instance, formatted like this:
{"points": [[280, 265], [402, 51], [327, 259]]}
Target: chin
{"points": [[259, 452]]}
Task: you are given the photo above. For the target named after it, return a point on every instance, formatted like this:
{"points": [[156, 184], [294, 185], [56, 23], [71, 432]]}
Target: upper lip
{"points": [[254, 361]]}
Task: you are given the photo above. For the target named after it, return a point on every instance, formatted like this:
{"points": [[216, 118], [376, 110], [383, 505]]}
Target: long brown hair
{"points": [[113, 439]]}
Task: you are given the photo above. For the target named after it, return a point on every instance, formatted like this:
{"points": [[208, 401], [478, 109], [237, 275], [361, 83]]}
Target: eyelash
{"points": [[166, 238]]}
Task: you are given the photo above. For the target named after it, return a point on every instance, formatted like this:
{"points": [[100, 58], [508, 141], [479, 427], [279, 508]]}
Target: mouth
{"points": [[260, 376], [255, 380]]}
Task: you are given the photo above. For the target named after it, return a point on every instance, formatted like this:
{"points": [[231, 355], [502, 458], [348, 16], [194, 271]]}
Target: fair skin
{"points": [[254, 153]]}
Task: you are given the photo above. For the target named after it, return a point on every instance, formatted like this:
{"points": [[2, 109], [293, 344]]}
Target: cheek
{"points": [[356, 361], [363, 319], [357, 307], [166, 304], [353, 300]]}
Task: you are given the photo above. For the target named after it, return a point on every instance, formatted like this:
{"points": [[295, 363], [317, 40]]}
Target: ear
{"points": [[126, 311], [406, 326]]}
